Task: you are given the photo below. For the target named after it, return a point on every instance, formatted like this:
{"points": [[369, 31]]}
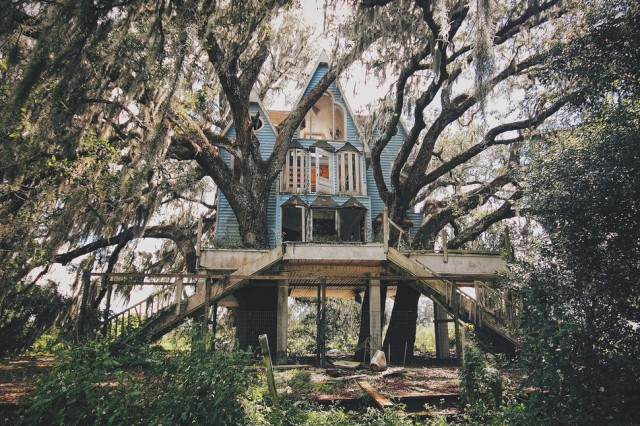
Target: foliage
{"points": [[581, 290], [482, 386], [26, 313], [90, 386], [580, 284], [341, 331], [309, 414]]}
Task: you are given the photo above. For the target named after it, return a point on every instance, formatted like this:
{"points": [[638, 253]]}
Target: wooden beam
{"points": [[380, 400], [266, 359]]}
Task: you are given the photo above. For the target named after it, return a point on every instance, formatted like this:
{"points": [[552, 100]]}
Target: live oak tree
{"points": [[464, 79], [111, 126]]}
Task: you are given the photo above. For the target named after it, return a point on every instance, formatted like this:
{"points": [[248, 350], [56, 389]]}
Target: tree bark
{"points": [[402, 326], [364, 332]]}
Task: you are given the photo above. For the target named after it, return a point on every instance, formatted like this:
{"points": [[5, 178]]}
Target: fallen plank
{"points": [[343, 378], [293, 367], [393, 372], [349, 365], [380, 400]]}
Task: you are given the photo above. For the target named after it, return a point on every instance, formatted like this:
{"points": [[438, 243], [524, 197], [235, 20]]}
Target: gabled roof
{"points": [[294, 201], [324, 202], [352, 203], [322, 145], [295, 144], [348, 147], [324, 59], [277, 116]]}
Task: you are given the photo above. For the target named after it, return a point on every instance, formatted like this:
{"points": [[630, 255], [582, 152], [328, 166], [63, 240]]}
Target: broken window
{"points": [[321, 156], [324, 218], [294, 220], [352, 216], [325, 120]]}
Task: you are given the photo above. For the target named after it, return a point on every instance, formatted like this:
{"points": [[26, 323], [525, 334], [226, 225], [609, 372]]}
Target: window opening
{"points": [[352, 215], [324, 219], [349, 170], [324, 121], [324, 225], [256, 122], [321, 162], [294, 173]]}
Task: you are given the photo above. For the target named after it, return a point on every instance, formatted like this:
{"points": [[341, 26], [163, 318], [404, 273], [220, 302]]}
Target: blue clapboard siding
{"points": [[227, 224]]}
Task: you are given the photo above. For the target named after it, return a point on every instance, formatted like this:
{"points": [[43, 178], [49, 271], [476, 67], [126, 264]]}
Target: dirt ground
{"points": [[333, 383], [18, 376]]}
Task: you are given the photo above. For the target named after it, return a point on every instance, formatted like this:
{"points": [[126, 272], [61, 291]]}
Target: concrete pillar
{"points": [[442, 332], [282, 321], [375, 307]]}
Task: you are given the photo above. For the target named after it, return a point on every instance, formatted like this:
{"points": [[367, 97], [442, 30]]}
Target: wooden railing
{"points": [[135, 315], [386, 231], [506, 309]]}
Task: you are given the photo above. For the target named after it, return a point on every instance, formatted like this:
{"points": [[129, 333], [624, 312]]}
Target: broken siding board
{"points": [[379, 399]]}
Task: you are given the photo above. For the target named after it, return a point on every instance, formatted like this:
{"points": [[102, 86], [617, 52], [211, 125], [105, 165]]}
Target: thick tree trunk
{"points": [[401, 332], [365, 333], [257, 315], [253, 225]]}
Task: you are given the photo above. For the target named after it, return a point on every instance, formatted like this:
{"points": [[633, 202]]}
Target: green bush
{"points": [[89, 386], [482, 386]]}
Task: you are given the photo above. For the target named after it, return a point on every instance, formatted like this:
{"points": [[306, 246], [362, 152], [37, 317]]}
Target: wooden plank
{"points": [[380, 400], [266, 359], [292, 367]]}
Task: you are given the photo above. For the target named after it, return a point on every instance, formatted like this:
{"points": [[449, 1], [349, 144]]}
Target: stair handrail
{"points": [[497, 303], [150, 306]]}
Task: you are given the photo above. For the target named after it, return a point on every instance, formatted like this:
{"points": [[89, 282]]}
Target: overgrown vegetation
{"points": [[89, 385], [142, 385]]}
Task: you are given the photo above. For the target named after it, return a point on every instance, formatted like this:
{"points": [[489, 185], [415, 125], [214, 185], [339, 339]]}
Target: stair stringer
{"points": [[442, 292], [162, 324]]}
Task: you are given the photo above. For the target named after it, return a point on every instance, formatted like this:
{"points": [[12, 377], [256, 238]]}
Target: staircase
{"points": [[490, 311], [163, 311]]}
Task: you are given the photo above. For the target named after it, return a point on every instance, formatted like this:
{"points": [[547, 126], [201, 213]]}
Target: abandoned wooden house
{"points": [[330, 238]]}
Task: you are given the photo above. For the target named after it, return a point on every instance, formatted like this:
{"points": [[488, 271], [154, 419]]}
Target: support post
{"points": [[177, 297], [107, 308], [282, 327], [266, 359], [445, 249], [385, 229], [375, 326], [205, 315], [214, 325], [198, 242], [442, 332], [322, 341], [318, 324], [456, 322]]}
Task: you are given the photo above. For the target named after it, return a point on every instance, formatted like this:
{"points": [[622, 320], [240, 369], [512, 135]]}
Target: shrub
{"points": [[482, 385], [89, 386]]}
